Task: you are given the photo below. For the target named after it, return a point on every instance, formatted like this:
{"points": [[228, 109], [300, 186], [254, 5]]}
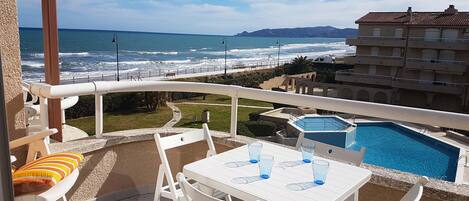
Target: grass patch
{"points": [[219, 116], [124, 121], [219, 99]]}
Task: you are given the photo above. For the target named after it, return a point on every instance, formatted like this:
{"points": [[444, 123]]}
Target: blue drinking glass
{"points": [[320, 169], [307, 150], [265, 166], [254, 152]]}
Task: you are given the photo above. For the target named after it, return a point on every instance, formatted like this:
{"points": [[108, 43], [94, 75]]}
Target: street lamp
{"points": [[225, 43], [278, 53], [114, 40]]}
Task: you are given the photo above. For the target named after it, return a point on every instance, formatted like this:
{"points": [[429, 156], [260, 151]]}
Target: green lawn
{"points": [[224, 100], [191, 116], [219, 116], [118, 122]]}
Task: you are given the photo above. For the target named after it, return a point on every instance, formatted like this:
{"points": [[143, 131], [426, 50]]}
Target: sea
{"points": [[92, 52]]}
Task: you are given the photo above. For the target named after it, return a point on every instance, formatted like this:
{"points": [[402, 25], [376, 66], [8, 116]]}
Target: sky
{"points": [[224, 17]]}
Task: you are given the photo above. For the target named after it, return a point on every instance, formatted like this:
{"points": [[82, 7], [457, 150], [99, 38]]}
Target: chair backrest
{"points": [[190, 192], [334, 152], [415, 193], [173, 141]]}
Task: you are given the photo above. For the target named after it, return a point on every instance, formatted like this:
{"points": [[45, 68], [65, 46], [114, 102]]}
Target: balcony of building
{"points": [[375, 60], [446, 66], [438, 43], [376, 41], [350, 76], [430, 86]]}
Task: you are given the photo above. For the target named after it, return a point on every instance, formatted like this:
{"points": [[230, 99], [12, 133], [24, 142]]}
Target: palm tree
{"points": [[300, 64]]}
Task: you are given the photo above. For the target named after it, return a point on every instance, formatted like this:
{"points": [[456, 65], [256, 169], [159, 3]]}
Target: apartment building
{"points": [[417, 59]]}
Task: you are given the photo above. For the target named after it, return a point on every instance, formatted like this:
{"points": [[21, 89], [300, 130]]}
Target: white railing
{"points": [[437, 61], [382, 37], [378, 56], [452, 40], [392, 112]]}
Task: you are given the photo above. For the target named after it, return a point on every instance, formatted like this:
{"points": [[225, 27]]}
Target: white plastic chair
{"points": [[336, 153], [415, 193], [190, 192], [37, 145], [171, 191]]}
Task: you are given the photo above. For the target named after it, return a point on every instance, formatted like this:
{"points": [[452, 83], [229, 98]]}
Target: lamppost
{"points": [[225, 43], [278, 53], [114, 40]]}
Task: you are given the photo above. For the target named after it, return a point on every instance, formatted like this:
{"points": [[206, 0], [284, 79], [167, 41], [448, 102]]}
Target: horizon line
{"points": [[128, 31]]}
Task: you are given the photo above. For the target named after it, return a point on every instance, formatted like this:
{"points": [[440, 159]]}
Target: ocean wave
{"points": [[185, 61], [153, 52], [34, 64], [63, 54], [273, 49]]}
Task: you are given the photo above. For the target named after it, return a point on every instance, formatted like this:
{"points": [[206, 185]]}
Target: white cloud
{"points": [[191, 16]]}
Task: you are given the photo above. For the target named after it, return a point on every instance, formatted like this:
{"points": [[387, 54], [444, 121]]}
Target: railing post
{"points": [[44, 116], [234, 115], [98, 100]]}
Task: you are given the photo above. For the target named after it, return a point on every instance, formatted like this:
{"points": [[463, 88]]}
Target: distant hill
{"points": [[320, 31]]}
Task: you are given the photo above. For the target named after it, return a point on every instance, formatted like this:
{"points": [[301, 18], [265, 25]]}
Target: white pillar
{"points": [[44, 116], [44, 113], [234, 115], [98, 101]]}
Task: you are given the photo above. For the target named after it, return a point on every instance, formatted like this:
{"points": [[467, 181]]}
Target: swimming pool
{"points": [[396, 147], [388, 145]]}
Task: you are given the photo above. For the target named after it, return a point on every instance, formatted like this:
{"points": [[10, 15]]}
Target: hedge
{"points": [[259, 128], [243, 130]]}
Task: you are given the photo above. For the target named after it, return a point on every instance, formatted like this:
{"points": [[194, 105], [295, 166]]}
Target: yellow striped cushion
{"points": [[48, 170]]}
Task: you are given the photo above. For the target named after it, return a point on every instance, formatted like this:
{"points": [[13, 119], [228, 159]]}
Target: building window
{"points": [[376, 32], [430, 55], [450, 35], [374, 51], [396, 52], [432, 34], [447, 55], [398, 32], [426, 77], [372, 70]]}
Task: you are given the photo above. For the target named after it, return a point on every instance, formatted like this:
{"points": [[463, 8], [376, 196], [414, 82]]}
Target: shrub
{"points": [[254, 116], [243, 130], [261, 128], [84, 107]]}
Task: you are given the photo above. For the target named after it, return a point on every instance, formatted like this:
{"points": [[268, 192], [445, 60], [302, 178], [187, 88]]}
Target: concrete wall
{"points": [[11, 64]]}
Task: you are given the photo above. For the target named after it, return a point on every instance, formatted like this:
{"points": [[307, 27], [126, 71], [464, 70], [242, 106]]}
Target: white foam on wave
{"points": [[185, 61], [155, 52], [273, 49], [34, 64], [63, 54]]}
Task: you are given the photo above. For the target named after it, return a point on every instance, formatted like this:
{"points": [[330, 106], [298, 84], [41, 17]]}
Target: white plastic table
{"points": [[341, 182]]}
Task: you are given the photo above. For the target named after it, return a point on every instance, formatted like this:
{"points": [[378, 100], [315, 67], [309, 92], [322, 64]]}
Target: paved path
{"points": [[224, 105], [176, 115]]}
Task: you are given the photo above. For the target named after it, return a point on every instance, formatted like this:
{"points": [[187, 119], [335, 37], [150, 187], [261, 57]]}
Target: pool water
{"points": [[321, 124], [395, 147]]}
